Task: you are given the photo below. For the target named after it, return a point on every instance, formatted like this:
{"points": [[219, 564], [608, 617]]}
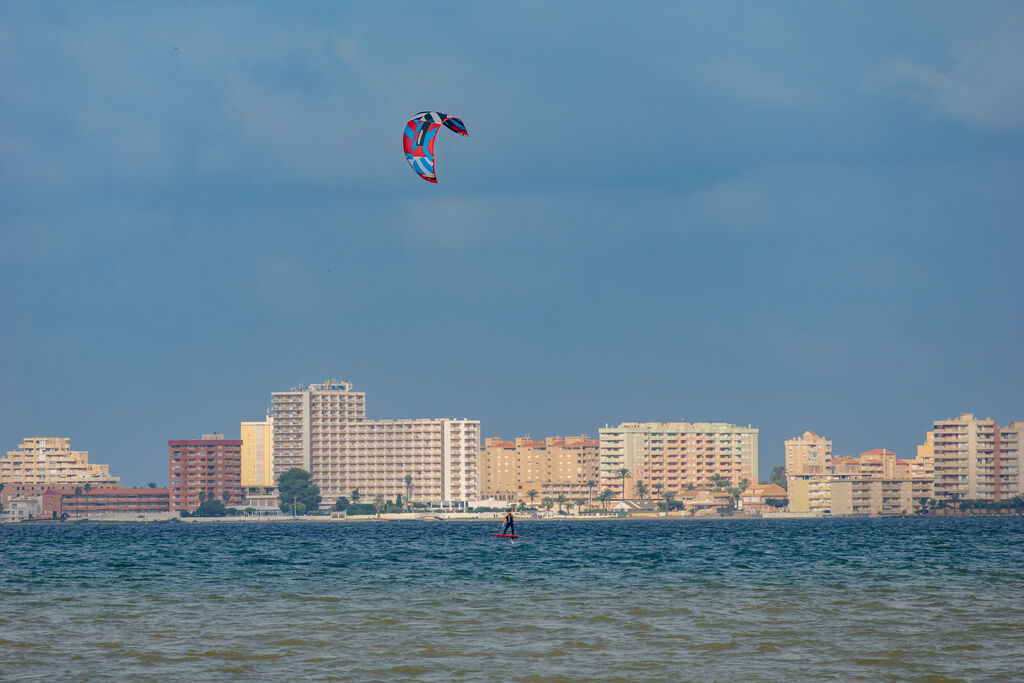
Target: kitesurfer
{"points": [[510, 524]]}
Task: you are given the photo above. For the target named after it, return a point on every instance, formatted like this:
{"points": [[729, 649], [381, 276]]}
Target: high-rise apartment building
{"points": [[976, 459], [257, 469], [211, 465], [553, 467], [323, 429], [808, 453], [669, 455], [49, 461]]}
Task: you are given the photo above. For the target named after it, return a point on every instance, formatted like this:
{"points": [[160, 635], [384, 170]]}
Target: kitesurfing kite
{"points": [[418, 141]]}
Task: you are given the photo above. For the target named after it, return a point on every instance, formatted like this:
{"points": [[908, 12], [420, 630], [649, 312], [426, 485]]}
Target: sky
{"points": [[792, 215]]}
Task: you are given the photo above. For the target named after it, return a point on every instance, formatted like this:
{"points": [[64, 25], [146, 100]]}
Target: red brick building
{"points": [[78, 503], [211, 465]]}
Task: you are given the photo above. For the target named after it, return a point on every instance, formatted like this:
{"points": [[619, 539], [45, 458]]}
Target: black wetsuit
{"points": [[510, 525]]}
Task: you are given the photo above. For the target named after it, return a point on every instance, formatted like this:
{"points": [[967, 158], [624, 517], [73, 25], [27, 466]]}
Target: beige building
{"points": [[876, 483], [753, 499], [923, 466], [871, 496], [257, 462], [323, 429], [670, 455], [976, 459], [50, 461], [509, 470], [808, 453]]}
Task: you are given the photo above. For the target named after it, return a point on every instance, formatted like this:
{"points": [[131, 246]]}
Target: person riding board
{"points": [[510, 523]]}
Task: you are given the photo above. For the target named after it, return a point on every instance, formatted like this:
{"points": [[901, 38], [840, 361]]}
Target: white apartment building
{"points": [[322, 428], [669, 455], [976, 459]]}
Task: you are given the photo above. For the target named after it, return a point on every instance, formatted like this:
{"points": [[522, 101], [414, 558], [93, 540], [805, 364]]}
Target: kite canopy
{"points": [[418, 141]]}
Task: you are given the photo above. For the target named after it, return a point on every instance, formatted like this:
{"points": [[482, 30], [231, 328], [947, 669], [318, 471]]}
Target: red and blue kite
{"points": [[418, 141]]}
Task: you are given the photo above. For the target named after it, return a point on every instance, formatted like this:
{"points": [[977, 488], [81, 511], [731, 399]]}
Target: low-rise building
{"points": [[754, 499], [120, 502]]}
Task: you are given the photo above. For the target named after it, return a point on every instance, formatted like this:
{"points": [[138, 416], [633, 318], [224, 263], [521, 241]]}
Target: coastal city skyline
{"points": [[325, 429], [775, 454]]}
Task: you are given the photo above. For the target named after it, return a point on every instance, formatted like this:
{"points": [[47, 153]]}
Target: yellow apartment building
{"points": [[257, 463]]}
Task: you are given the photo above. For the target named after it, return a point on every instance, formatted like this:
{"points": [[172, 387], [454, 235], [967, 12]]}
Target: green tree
{"points": [[624, 472], [669, 497], [295, 488], [151, 484], [718, 481], [606, 496], [547, 502], [408, 490], [378, 503], [355, 496], [561, 500], [341, 503], [532, 493], [591, 484], [569, 505], [579, 503], [641, 489], [658, 488], [211, 507], [87, 488], [778, 477]]}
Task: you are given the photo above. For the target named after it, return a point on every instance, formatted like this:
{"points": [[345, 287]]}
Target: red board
{"points": [[506, 535]]}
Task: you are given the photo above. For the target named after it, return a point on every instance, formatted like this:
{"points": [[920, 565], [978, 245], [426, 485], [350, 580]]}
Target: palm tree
{"points": [[561, 503], [88, 487], [378, 503], [579, 504], [658, 488], [547, 502], [779, 476], [532, 493], [624, 472], [605, 497], [641, 489], [151, 484], [590, 485], [569, 505], [408, 491], [669, 497], [743, 485], [719, 482]]}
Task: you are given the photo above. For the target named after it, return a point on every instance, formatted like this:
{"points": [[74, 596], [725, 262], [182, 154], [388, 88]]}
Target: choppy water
{"points": [[917, 599]]}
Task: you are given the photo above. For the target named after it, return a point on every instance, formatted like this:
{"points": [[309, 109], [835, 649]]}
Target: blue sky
{"points": [[795, 215]]}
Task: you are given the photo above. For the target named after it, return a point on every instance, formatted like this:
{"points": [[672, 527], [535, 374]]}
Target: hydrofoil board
{"points": [[507, 535]]}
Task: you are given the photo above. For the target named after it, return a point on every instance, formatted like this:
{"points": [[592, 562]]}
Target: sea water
{"points": [[908, 599]]}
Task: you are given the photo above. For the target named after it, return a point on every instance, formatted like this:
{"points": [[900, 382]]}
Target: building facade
{"points": [[257, 463], [808, 453], [211, 466], [667, 456], [557, 466], [120, 502], [49, 461], [976, 459], [323, 429]]}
